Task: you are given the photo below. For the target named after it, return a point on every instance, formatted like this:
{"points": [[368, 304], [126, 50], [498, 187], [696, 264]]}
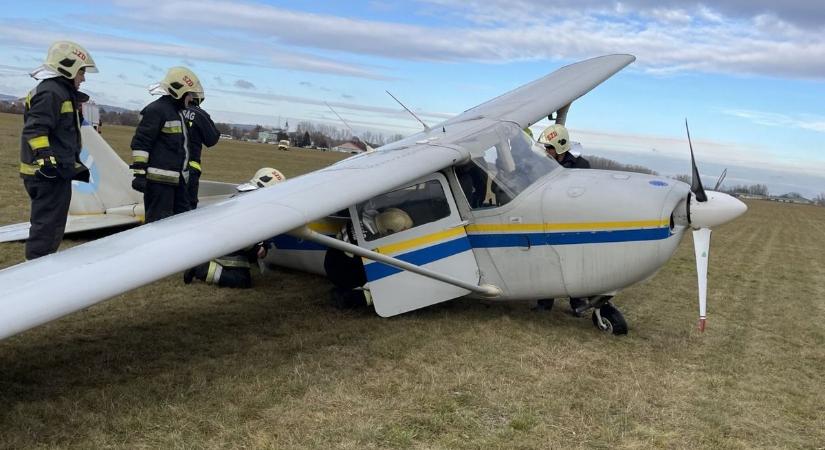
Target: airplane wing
{"points": [[74, 224], [38, 291], [46, 288], [530, 103]]}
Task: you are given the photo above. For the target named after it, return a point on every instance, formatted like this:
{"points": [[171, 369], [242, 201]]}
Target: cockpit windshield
{"points": [[505, 162]]}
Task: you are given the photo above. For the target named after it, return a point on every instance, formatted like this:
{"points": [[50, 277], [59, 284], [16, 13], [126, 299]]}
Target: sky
{"points": [[748, 75]]}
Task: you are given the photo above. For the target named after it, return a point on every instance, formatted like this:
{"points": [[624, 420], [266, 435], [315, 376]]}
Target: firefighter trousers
{"points": [[49, 209], [164, 200]]}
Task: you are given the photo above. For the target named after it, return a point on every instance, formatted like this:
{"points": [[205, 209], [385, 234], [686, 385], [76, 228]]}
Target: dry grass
{"points": [[174, 366]]}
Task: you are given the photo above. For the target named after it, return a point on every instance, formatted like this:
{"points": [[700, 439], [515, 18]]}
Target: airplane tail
{"points": [[109, 189], [107, 200]]}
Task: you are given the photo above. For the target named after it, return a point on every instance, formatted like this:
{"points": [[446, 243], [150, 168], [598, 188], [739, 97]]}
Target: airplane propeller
{"points": [[695, 179], [702, 211]]}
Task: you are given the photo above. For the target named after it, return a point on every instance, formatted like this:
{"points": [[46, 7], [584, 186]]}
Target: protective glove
{"points": [[48, 165], [139, 183]]}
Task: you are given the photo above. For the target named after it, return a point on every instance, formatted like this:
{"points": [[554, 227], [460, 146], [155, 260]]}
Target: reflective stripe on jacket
{"points": [[160, 141], [202, 131], [51, 123]]}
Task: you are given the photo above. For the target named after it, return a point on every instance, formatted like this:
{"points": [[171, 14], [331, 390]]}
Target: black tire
{"points": [[614, 320]]}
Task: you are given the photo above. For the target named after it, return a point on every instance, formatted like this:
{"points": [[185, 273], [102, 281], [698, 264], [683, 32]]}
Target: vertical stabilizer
{"points": [[110, 184]]}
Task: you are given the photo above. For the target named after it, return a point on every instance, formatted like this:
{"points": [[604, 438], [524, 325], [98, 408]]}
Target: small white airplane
{"points": [[477, 210]]}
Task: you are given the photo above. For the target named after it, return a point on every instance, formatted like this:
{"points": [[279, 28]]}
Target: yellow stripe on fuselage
{"points": [[420, 241], [328, 227], [581, 226]]}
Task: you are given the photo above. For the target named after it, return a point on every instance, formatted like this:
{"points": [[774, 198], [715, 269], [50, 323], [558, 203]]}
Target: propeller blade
{"points": [[701, 248], [721, 178], [695, 181]]}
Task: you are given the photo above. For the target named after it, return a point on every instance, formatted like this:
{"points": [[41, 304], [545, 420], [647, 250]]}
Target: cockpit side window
{"points": [[504, 163], [403, 209]]}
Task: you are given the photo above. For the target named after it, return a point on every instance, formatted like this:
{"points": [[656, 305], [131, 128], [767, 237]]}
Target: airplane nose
{"points": [[720, 208]]}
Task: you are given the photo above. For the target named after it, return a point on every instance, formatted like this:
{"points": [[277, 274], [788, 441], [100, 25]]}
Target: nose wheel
{"points": [[608, 319]]}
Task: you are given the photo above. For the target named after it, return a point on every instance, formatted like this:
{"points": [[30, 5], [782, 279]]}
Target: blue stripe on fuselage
{"points": [[495, 240], [426, 255]]}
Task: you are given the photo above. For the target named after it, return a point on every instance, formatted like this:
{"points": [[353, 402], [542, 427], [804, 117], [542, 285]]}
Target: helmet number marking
{"points": [[188, 81], [79, 54]]}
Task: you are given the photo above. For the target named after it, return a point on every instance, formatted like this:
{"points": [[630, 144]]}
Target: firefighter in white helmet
{"points": [[556, 142], [50, 143], [159, 148], [233, 270], [392, 220]]}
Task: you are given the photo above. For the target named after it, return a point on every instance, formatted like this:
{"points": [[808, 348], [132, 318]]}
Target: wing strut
{"points": [[487, 290]]}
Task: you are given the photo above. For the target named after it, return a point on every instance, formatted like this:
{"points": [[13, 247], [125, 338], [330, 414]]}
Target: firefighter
{"points": [[50, 143], [234, 269], [556, 142], [346, 271], [202, 131], [160, 150]]}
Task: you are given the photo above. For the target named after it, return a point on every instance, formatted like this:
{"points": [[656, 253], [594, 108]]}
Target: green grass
{"points": [[175, 366]]}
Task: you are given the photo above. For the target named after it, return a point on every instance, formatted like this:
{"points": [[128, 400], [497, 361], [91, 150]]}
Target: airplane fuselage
{"points": [[550, 241]]}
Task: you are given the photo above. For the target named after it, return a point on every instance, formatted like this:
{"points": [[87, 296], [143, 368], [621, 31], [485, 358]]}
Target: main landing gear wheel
{"points": [[608, 319]]}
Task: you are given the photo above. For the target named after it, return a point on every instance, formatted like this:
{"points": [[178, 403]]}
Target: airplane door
{"points": [[419, 224]]}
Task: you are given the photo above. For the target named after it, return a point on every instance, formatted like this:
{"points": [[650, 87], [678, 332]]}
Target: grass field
{"points": [[175, 366]]}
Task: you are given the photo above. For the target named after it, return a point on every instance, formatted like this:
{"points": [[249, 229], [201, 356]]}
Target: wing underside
{"points": [[38, 291], [44, 289]]}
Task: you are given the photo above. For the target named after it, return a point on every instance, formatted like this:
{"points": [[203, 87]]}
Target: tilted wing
{"points": [[44, 289], [41, 290], [528, 104]]}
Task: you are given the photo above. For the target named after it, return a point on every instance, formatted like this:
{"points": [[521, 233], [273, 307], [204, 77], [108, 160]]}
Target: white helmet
{"points": [[67, 58], [392, 220], [179, 81], [556, 136], [263, 178]]}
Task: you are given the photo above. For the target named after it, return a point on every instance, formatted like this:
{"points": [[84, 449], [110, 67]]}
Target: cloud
{"points": [[347, 96], [243, 84], [399, 113], [305, 83], [782, 39], [734, 36], [803, 122]]}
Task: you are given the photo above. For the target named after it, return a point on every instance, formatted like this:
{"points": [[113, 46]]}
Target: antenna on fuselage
{"points": [[340, 118], [369, 147], [426, 127]]}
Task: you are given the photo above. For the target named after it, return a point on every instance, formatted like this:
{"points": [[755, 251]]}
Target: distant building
{"points": [[264, 136], [347, 147]]}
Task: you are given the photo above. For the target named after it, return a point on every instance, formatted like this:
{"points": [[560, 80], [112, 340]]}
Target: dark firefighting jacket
{"points": [[160, 147], [574, 162], [51, 123], [202, 131]]}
